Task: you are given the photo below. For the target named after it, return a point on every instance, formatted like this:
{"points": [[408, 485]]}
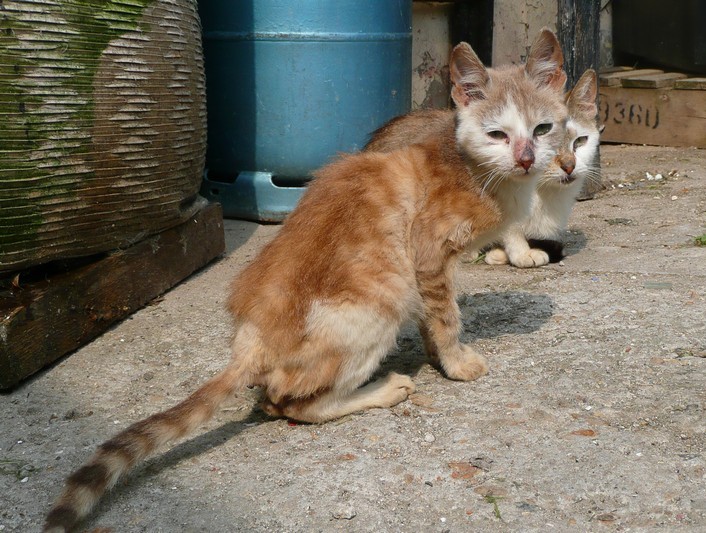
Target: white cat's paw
{"points": [[496, 256], [531, 258]]}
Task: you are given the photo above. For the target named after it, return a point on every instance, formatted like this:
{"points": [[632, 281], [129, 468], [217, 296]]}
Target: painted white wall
{"points": [[515, 25], [431, 48]]}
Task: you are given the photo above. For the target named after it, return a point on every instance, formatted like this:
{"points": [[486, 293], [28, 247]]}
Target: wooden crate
{"points": [[650, 106], [47, 313]]}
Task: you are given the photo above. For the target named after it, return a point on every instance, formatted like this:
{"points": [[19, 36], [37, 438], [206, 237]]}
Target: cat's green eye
{"points": [[580, 141], [542, 129], [498, 135]]}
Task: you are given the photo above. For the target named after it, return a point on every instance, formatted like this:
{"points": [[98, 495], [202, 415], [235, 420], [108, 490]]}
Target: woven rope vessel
{"points": [[102, 124]]}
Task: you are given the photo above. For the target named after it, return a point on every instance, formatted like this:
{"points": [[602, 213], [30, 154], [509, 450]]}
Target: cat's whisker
{"points": [[495, 177], [594, 176], [547, 181]]}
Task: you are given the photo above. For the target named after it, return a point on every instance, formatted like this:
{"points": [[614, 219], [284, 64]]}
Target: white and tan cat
{"points": [[544, 216], [561, 183], [373, 243]]}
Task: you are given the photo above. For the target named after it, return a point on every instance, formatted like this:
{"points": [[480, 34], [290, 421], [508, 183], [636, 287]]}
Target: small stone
{"points": [[344, 512], [527, 507], [584, 433], [429, 437], [462, 470], [24, 479], [675, 198], [421, 400], [658, 177], [484, 463]]}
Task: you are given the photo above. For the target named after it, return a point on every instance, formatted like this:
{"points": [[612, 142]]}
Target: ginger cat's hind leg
{"points": [[384, 392], [362, 336]]}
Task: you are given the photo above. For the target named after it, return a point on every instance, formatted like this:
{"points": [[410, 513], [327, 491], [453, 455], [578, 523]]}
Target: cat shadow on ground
{"points": [[574, 240], [483, 316], [196, 445]]}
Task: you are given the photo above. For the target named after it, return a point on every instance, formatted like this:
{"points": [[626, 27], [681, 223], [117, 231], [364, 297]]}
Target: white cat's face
{"points": [[585, 146], [576, 158]]}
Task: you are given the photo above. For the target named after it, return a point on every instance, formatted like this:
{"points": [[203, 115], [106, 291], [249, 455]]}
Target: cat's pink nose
{"points": [[524, 154], [568, 168], [526, 160]]}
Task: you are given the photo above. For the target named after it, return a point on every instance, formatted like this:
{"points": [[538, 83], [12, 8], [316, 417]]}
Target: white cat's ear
{"points": [[545, 62], [582, 98], [468, 75]]}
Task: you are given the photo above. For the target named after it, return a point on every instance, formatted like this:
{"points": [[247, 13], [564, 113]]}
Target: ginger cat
{"points": [[373, 243], [532, 241]]}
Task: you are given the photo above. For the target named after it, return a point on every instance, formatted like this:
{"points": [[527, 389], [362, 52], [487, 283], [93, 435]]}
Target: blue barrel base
{"points": [[252, 196]]}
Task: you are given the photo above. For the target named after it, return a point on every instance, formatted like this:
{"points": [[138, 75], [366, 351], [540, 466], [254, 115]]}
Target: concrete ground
{"points": [[591, 419]]}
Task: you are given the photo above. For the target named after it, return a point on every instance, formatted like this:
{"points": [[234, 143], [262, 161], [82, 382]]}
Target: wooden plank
{"points": [[696, 84], [610, 70], [653, 81], [664, 117], [578, 24], [614, 79], [46, 319]]}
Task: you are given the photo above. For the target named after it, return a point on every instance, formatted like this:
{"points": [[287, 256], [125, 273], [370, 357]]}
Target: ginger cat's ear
{"points": [[582, 98], [468, 75], [545, 62]]}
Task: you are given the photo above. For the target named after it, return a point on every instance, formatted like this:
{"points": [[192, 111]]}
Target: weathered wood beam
{"points": [[42, 320]]}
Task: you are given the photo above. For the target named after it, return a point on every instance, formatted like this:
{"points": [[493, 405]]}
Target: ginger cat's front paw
{"points": [[465, 364], [531, 258]]}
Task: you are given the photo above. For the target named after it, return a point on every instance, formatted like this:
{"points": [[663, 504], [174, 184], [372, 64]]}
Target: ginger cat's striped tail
{"points": [[120, 454]]}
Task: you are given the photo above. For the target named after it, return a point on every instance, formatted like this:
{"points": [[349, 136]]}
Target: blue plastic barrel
{"points": [[291, 83]]}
